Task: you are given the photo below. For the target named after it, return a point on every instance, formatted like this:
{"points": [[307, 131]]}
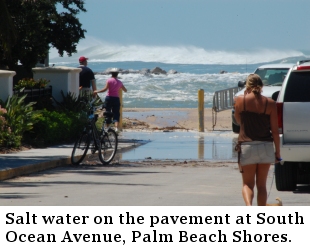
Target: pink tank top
{"points": [[114, 87]]}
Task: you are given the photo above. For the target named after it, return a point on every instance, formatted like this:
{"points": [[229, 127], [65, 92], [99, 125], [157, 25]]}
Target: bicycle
{"points": [[104, 141]]}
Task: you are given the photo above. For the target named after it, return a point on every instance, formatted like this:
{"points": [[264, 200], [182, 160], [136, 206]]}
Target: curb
{"points": [[28, 169], [41, 166]]}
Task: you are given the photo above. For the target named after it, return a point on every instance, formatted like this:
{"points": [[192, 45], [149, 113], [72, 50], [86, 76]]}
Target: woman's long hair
{"points": [[254, 84]]}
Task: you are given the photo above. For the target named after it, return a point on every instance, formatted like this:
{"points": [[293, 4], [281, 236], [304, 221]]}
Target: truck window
{"points": [[298, 87], [272, 76]]}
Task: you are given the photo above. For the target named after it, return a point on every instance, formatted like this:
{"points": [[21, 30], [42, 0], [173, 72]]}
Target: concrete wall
{"points": [[61, 78], [6, 84]]}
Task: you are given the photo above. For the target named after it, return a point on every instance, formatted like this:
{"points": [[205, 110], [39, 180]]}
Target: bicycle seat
{"points": [[108, 114]]}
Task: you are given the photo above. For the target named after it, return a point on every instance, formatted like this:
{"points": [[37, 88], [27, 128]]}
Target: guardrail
{"points": [[223, 100]]}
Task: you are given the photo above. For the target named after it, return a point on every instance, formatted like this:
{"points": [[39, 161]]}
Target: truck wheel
{"points": [[285, 176], [235, 128]]}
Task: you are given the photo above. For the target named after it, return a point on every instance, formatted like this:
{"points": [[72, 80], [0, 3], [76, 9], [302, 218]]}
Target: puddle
{"points": [[183, 145]]}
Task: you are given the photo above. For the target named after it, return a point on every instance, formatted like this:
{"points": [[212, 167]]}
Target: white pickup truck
{"points": [[272, 76], [293, 105]]}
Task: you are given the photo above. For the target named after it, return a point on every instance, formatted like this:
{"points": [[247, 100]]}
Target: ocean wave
{"points": [[100, 51], [175, 90]]}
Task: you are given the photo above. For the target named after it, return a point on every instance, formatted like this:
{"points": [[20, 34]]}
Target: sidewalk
{"points": [[34, 160]]}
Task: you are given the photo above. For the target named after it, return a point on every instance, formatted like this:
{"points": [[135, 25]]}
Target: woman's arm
{"points": [[238, 110], [124, 88], [106, 87], [274, 127]]}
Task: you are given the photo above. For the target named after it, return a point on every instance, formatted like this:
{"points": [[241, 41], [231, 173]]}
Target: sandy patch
{"points": [[175, 118]]}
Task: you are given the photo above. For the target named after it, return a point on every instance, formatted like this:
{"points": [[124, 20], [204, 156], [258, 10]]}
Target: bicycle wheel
{"points": [[80, 148], [109, 143]]}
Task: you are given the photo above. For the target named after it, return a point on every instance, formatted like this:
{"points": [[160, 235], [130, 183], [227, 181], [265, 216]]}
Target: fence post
{"points": [[201, 110], [201, 147], [6, 84], [120, 123]]}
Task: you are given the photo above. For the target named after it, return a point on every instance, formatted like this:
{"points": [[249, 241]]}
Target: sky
{"points": [[209, 25]]}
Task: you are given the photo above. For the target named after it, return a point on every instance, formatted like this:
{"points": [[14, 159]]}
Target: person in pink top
{"points": [[113, 85]]}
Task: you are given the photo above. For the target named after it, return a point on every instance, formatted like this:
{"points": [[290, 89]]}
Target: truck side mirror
{"points": [[241, 83], [275, 96]]}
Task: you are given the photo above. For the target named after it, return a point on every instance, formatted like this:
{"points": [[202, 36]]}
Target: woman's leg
{"points": [[115, 110], [108, 104], [261, 180], [248, 179]]}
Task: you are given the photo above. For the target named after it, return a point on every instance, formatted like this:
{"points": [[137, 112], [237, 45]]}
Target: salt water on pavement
{"points": [[182, 145]]}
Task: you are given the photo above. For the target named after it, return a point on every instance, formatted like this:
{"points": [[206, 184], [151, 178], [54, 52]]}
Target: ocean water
{"points": [[172, 90], [196, 67]]}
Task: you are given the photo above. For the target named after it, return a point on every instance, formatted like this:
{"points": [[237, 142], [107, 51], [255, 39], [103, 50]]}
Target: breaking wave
{"points": [[100, 51]]}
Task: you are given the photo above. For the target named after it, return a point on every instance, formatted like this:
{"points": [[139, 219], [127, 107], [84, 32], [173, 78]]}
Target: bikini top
{"points": [[254, 126]]}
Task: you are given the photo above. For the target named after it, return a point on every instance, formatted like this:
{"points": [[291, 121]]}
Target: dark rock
{"points": [[158, 70]]}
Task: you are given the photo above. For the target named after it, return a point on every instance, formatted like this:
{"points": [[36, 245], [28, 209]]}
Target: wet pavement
{"points": [[155, 145], [39, 159], [144, 169], [134, 146], [183, 145]]}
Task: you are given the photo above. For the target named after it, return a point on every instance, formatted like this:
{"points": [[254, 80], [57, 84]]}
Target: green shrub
{"points": [[54, 127], [71, 102], [4, 128], [31, 83], [60, 124], [25, 83], [16, 120], [78, 104]]}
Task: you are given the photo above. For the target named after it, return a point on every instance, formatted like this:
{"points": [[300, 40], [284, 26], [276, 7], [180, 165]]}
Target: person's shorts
{"points": [[257, 152], [87, 93]]}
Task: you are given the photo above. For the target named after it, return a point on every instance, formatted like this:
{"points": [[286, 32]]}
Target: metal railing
{"points": [[223, 100], [34, 94]]}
